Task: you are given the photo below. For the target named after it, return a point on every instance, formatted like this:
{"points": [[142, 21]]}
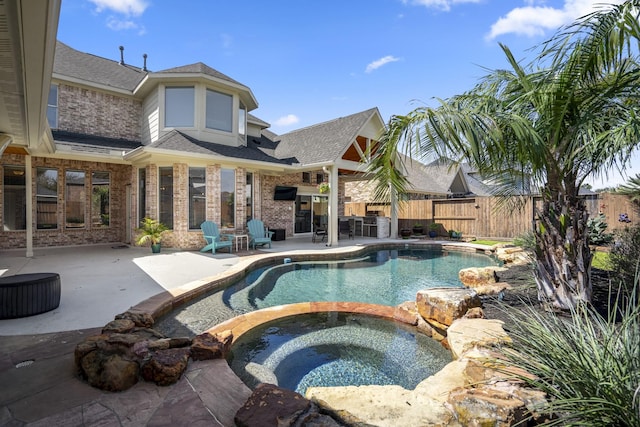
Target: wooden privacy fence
{"points": [[481, 217]]}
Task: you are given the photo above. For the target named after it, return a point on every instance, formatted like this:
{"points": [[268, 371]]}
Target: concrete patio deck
{"points": [[39, 385]]}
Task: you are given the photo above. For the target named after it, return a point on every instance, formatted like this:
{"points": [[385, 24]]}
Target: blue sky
{"points": [[311, 61]]}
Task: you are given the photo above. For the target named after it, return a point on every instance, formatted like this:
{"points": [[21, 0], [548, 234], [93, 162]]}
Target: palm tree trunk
{"points": [[563, 257]]}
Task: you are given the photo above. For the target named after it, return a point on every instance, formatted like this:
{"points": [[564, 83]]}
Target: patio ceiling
{"points": [[28, 31]]}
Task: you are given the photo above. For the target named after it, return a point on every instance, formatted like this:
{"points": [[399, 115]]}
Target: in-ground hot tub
{"points": [[24, 295]]}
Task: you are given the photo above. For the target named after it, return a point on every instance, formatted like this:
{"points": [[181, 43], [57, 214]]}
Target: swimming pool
{"points": [[387, 277], [335, 349]]}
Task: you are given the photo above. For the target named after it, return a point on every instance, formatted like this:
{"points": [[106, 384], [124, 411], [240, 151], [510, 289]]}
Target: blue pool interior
{"points": [[387, 277], [336, 349]]}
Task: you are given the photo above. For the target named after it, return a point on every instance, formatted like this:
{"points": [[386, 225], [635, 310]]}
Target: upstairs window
{"points": [[52, 107], [242, 120], [219, 111], [179, 107]]}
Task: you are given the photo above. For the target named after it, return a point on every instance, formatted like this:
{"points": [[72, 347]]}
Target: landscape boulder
{"points": [[441, 306]]}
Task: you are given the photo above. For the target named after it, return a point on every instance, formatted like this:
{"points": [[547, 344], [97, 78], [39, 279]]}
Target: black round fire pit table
{"points": [[24, 295]]}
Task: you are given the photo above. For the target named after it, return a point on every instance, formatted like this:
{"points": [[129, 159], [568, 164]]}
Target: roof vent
{"points": [[121, 55], [144, 57]]}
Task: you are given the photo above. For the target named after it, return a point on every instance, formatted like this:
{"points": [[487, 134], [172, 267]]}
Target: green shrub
{"points": [[526, 241], [597, 227], [588, 365]]}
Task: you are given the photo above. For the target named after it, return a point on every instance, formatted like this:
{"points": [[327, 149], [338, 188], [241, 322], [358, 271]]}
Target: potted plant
{"points": [[150, 231], [417, 228], [434, 227], [323, 188], [405, 233]]}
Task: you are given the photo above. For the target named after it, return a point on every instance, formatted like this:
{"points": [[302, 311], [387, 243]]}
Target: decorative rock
{"points": [[270, 405], [109, 372], [465, 334], [141, 320], [474, 313], [444, 305], [484, 406], [492, 288], [476, 276], [118, 326], [407, 313], [166, 366], [206, 346]]}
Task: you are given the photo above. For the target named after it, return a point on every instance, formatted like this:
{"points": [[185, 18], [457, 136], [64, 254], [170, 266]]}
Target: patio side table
{"points": [[238, 238]]}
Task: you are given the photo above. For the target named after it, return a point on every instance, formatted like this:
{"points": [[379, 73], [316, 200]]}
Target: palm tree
{"points": [[631, 188], [568, 115]]}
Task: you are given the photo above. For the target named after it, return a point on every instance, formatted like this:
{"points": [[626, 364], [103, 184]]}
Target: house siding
{"points": [[151, 125], [91, 112]]}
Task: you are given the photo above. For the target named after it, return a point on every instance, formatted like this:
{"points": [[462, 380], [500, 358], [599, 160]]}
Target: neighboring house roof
{"points": [[435, 178], [178, 141], [324, 142], [72, 63]]}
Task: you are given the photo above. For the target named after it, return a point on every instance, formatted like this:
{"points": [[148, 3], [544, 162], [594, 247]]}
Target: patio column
{"points": [[29, 199], [333, 205]]}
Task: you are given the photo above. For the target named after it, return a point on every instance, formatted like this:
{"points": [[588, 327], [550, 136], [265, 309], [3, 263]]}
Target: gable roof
{"points": [[199, 68], [434, 178], [323, 142], [69, 62]]}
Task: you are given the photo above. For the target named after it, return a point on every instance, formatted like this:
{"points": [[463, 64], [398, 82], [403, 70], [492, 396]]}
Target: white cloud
{"points": [[124, 24], [227, 40], [288, 120], [534, 20], [125, 7], [444, 5], [380, 62]]}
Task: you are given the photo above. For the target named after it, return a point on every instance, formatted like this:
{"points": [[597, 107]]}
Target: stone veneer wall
{"points": [[91, 112], [115, 232]]}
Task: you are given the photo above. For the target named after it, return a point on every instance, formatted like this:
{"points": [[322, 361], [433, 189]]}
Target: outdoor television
{"points": [[285, 193]]}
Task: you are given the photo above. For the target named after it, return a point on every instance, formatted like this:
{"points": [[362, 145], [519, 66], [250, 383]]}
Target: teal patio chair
{"points": [[258, 235], [214, 239]]}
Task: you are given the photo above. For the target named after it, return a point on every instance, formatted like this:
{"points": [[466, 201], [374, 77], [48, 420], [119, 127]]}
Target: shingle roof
{"points": [[178, 141], [323, 142], [200, 68], [92, 143], [432, 178], [84, 66]]}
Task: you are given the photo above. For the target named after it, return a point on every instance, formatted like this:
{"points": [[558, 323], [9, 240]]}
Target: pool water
{"points": [[335, 349], [388, 277]]}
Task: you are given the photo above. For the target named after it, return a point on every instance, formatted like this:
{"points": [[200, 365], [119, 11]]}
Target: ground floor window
{"points": [[227, 198], [46, 198], [74, 199], [166, 196], [100, 184], [142, 194], [312, 212], [14, 204], [197, 197], [249, 196]]}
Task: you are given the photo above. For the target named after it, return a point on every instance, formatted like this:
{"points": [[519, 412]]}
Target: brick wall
{"points": [[119, 176], [97, 113]]}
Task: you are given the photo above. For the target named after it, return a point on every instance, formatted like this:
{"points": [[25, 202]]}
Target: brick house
{"points": [[117, 143]]}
